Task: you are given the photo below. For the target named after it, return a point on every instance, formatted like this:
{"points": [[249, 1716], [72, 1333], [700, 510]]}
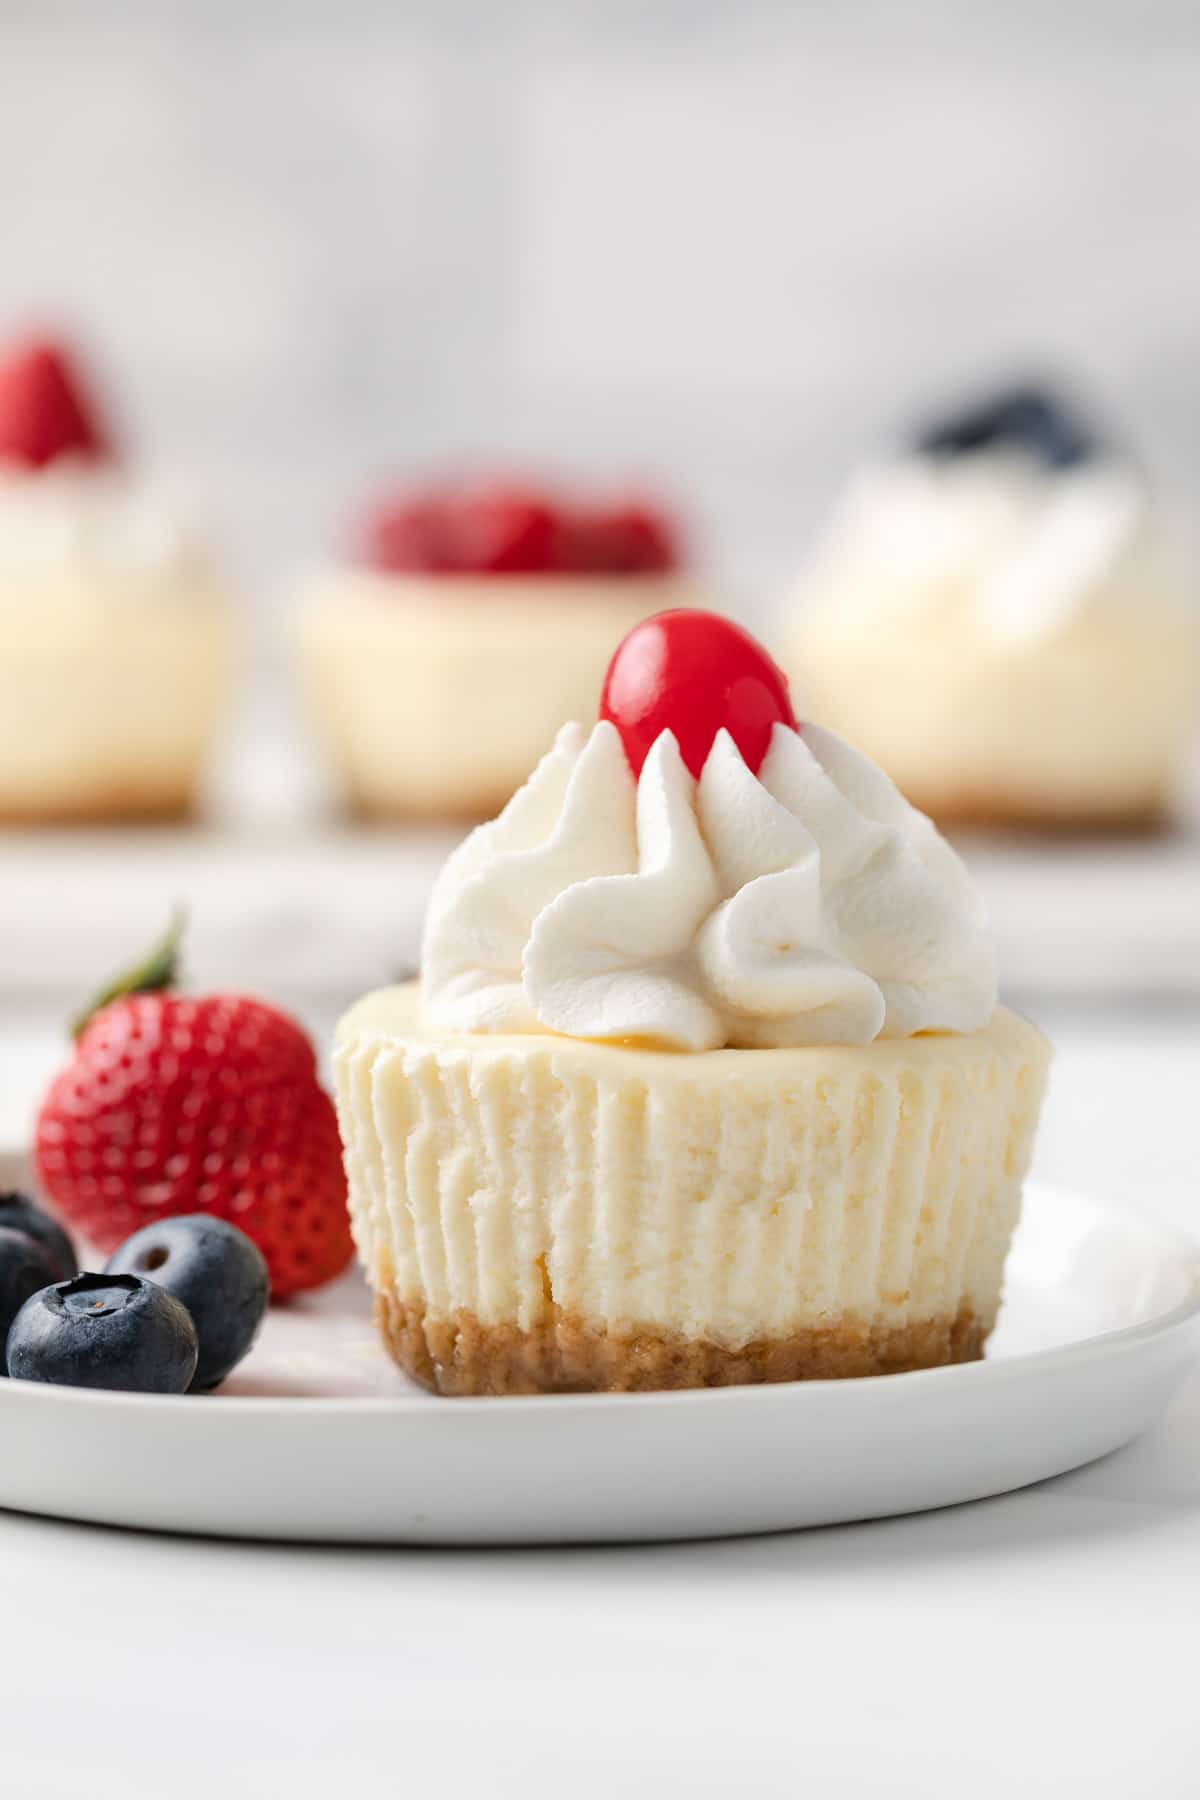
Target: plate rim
{"points": [[1180, 1244]]}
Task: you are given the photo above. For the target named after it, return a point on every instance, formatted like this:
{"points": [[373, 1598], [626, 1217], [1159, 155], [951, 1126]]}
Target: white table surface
{"points": [[1042, 1644]]}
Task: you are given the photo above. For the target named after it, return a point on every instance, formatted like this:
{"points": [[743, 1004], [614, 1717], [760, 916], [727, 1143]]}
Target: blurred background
{"points": [[723, 245], [721, 250]]}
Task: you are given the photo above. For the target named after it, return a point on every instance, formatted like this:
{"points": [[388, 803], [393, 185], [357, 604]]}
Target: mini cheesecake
{"points": [[998, 616], [116, 643], [705, 1082], [469, 625]]}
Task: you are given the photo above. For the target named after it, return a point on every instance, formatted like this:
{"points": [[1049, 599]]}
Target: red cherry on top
{"points": [[691, 673], [44, 411]]}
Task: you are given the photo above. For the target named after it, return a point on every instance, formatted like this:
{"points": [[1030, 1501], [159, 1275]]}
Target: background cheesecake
{"points": [[1000, 616], [471, 622], [116, 641]]}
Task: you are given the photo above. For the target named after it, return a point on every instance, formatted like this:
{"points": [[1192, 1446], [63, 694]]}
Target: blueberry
{"points": [[105, 1331], [19, 1213], [216, 1271], [1020, 418], [24, 1268]]}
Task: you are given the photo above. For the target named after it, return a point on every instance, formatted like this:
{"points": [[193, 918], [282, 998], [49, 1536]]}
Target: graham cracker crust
{"points": [[117, 804], [997, 812], [457, 1355], [414, 811]]}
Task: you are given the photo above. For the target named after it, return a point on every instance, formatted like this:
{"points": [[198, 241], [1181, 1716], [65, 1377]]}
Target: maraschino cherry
{"points": [[692, 672], [44, 411]]}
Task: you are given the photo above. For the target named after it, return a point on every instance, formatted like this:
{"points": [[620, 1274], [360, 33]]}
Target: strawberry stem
{"points": [[154, 974]]}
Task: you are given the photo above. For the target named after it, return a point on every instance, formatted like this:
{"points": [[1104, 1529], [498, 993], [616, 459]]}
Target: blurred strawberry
{"points": [[498, 530], [406, 536], [631, 539], [471, 529], [44, 411]]}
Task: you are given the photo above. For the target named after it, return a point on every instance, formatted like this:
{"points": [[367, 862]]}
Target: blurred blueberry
{"points": [[1020, 418], [19, 1213], [25, 1266]]}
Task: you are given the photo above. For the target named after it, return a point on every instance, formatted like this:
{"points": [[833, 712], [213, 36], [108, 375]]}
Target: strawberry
{"points": [[180, 1104], [44, 412]]}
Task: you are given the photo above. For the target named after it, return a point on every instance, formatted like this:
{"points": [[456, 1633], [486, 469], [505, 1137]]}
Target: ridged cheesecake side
{"points": [[535, 1212]]}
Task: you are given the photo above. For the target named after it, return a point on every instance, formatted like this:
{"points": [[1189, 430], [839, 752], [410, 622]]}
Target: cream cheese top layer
{"points": [[809, 904]]}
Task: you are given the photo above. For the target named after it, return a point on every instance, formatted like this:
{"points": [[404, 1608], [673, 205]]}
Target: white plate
{"points": [[318, 1437]]}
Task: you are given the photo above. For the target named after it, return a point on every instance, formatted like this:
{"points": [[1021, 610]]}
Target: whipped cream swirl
{"points": [[74, 518], [992, 545], [809, 904]]}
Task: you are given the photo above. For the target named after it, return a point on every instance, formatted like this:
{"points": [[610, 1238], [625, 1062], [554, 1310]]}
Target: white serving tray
{"points": [[1094, 918], [329, 911]]}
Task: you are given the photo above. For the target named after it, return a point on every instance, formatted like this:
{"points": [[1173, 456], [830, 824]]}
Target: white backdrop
{"points": [[721, 244]]}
